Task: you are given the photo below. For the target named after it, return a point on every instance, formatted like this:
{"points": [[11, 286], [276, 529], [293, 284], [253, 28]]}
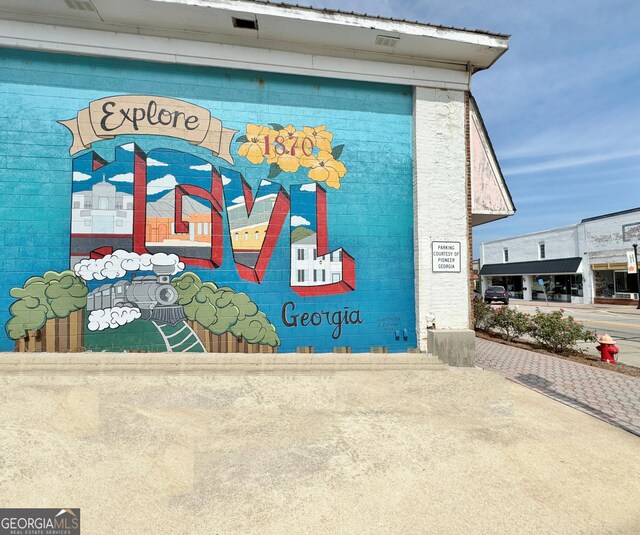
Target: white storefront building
{"points": [[583, 263]]}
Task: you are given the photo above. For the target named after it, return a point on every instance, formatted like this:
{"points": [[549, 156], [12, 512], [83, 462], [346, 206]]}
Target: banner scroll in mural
{"points": [[149, 115]]}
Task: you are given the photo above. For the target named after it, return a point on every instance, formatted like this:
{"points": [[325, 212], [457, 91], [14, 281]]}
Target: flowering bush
{"points": [[287, 149], [557, 333], [483, 316], [512, 323], [551, 330]]}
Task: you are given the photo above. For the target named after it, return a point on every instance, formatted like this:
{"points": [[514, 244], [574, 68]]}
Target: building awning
{"points": [[490, 197], [556, 266]]}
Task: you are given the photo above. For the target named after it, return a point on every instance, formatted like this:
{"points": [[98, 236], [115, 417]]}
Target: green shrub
{"points": [[483, 315], [557, 333], [511, 323]]}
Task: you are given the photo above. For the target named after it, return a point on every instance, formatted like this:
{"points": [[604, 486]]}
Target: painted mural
{"points": [[149, 207], [139, 221]]}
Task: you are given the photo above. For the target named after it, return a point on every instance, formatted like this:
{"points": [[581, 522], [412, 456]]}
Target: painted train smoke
{"points": [[153, 295]]}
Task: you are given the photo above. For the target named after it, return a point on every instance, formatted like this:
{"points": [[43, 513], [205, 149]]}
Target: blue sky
{"points": [[562, 106]]}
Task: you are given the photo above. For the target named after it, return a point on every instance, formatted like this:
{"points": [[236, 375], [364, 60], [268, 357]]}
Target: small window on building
{"points": [[119, 223], [129, 206], [301, 275], [76, 204], [199, 230], [541, 250], [505, 254], [300, 254], [257, 236], [246, 236], [237, 237], [315, 254]]}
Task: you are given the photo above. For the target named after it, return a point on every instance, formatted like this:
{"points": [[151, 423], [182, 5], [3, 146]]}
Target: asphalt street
{"points": [[621, 323]]}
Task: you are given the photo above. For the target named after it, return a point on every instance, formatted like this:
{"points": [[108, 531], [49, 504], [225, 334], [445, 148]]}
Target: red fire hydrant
{"points": [[608, 349]]}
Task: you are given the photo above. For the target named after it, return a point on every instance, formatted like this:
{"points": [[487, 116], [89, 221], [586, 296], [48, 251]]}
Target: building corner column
{"points": [[442, 214], [527, 287]]}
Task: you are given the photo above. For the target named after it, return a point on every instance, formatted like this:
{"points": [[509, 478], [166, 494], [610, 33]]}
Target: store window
{"points": [[541, 251], [625, 284], [505, 254], [604, 283], [615, 284], [512, 284]]}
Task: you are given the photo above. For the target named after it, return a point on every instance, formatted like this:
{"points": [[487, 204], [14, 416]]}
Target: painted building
{"points": [[590, 262], [207, 176]]}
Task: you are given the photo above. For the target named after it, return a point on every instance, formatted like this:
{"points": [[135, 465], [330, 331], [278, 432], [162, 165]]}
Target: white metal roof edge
{"points": [[71, 40], [338, 17]]}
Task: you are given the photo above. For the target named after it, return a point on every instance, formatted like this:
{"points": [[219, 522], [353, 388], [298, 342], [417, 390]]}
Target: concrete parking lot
{"points": [[424, 449]]}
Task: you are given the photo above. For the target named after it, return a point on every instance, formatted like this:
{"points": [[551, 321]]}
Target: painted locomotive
{"points": [[153, 295]]}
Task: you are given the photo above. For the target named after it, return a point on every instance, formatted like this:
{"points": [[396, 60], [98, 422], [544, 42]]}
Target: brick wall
{"points": [[370, 216], [441, 206]]}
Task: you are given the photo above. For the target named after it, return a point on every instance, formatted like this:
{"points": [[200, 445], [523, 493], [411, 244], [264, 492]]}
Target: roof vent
{"points": [[80, 5], [387, 40], [245, 24]]}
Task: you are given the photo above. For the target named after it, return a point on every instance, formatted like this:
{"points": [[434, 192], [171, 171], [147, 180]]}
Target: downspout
{"points": [[467, 141]]}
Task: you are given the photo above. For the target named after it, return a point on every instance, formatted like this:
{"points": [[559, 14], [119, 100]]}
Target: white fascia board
{"points": [[44, 37], [530, 234], [483, 39]]}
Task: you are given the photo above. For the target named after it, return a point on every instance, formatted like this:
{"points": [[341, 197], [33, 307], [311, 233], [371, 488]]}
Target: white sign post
{"points": [[446, 256], [544, 290]]}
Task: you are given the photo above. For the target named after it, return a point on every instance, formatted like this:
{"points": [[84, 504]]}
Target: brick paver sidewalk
{"points": [[610, 396]]}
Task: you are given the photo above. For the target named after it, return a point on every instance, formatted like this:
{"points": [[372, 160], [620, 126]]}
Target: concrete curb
{"points": [[211, 363]]}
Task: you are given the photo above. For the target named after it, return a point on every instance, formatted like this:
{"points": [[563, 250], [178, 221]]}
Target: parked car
{"points": [[496, 293]]}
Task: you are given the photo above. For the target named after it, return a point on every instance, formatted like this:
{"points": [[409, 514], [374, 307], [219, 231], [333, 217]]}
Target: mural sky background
{"points": [[561, 105]]}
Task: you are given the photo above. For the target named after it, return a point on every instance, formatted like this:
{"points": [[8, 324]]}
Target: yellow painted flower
{"points": [[286, 161], [324, 168], [253, 148], [320, 137], [287, 142], [292, 136]]}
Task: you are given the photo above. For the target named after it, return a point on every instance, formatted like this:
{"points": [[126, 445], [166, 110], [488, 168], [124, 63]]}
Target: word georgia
{"points": [[337, 318]]}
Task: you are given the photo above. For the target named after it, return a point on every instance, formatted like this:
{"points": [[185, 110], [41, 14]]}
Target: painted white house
{"points": [[309, 269], [583, 263]]}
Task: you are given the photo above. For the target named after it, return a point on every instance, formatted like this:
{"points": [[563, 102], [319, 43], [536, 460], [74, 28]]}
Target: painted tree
{"points": [[220, 310], [54, 295]]}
